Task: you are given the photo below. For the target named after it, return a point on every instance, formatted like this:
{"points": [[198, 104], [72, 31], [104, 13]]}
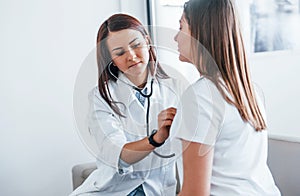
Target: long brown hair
{"points": [[118, 22], [215, 25]]}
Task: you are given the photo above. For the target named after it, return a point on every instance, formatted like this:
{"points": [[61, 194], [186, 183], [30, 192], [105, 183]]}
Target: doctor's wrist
{"points": [[155, 139], [158, 138]]}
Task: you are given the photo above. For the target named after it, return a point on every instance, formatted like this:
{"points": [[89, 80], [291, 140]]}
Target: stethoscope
{"points": [[148, 100]]}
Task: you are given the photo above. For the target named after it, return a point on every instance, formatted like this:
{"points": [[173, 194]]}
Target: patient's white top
{"points": [[240, 152]]}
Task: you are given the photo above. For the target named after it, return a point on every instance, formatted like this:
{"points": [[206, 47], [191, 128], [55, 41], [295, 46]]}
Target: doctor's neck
{"points": [[139, 80]]}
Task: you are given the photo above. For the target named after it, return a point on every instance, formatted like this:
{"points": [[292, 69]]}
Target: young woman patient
{"points": [[223, 125]]}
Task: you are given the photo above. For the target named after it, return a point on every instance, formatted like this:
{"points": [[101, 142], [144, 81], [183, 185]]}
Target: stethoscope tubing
{"points": [[148, 96]]}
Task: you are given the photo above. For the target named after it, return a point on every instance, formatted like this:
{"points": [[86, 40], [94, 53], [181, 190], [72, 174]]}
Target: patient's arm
{"points": [[197, 168]]}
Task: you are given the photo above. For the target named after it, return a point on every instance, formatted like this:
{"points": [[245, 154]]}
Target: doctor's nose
{"points": [[131, 54]]}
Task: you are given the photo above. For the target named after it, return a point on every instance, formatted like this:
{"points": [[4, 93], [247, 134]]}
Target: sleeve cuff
{"points": [[123, 167]]}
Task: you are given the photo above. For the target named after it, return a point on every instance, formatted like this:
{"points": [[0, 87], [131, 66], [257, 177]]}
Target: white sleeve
{"points": [[200, 114], [108, 131]]}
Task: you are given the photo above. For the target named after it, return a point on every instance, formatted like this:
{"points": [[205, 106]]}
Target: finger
{"points": [[171, 110], [166, 117], [167, 113], [167, 123], [169, 116]]}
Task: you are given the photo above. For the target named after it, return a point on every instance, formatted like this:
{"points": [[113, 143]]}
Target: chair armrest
{"points": [[80, 172]]}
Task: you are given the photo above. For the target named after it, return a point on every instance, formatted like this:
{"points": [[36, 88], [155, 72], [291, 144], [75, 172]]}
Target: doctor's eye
{"points": [[120, 53], [134, 46]]}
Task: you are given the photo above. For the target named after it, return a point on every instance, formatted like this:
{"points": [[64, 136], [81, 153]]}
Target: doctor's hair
{"points": [[214, 23], [114, 23]]}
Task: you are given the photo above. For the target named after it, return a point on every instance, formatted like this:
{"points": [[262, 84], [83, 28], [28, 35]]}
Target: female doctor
{"points": [[134, 157]]}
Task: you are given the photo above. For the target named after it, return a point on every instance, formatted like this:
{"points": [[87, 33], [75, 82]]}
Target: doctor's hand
{"points": [[164, 119]]}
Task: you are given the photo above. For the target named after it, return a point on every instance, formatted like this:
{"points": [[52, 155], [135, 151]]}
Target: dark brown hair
{"points": [[118, 22], [215, 25]]}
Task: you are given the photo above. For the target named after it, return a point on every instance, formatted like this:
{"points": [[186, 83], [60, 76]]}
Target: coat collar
{"points": [[125, 92]]}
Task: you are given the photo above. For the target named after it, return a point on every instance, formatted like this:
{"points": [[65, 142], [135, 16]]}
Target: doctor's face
{"points": [[129, 52], [183, 39]]}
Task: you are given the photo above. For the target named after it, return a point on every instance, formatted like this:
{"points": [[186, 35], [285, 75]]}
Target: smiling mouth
{"points": [[133, 65]]}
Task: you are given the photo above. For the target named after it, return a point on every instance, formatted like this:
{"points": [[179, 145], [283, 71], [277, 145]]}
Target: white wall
{"points": [[277, 73], [43, 44], [137, 8]]}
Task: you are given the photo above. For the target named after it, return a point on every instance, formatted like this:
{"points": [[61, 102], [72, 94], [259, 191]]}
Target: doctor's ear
{"points": [[147, 39]]}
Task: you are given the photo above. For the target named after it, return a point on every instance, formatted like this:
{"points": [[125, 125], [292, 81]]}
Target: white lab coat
{"points": [[112, 132]]}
